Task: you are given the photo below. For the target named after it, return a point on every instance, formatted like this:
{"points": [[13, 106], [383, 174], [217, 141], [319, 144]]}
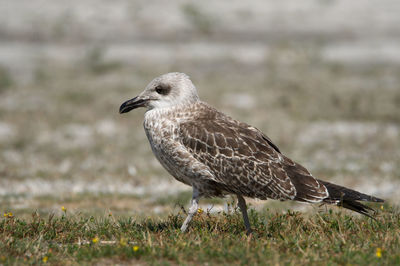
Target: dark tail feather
{"points": [[357, 207], [348, 198]]}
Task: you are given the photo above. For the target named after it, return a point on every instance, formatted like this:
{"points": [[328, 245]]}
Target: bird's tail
{"points": [[349, 199]]}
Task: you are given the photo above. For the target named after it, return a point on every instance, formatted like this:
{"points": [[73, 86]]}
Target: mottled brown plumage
{"points": [[243, 160], [218, 155]]}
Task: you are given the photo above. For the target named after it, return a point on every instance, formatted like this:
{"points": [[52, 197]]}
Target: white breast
{"points": [[161, 129]]}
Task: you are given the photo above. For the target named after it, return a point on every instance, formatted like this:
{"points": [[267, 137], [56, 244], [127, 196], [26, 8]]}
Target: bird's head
{"points": [[165, 91]]}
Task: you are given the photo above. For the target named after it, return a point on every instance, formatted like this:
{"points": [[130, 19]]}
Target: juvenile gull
{"points": [[217, 155]]}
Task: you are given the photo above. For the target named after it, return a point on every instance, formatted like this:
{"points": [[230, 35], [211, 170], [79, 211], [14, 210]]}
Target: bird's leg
{"points": [[243, 209], [192, 210]]}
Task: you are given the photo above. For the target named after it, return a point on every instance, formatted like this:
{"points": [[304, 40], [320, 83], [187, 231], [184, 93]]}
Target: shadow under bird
{"points": [[217, 155]]}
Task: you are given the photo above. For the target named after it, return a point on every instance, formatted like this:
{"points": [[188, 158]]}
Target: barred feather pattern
{"points": [[203, 147]]}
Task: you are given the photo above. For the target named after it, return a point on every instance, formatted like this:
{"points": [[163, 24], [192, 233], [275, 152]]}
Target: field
{"points": [[78, 181], [323, 238]]}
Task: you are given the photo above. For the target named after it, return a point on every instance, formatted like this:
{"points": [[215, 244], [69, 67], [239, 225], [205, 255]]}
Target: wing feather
{"points": [[245, 161]]}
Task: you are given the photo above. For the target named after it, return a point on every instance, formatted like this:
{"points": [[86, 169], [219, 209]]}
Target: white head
{"points": [[164, 91]]}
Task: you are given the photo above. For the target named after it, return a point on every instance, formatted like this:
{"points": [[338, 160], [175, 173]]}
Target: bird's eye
{"points": [[164, 90], [159, 89]]}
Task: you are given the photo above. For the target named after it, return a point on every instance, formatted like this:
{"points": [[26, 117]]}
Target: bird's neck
{"points": [[179, 111]]}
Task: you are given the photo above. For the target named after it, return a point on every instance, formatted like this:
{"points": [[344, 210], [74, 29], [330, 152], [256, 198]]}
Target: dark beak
{"points": [[132, 104]]}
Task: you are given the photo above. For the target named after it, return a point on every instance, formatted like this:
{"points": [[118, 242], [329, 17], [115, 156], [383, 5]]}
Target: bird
{"points": [[218, 156]]}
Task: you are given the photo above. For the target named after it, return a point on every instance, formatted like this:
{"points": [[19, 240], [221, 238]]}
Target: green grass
{"points": [[327, 238]]}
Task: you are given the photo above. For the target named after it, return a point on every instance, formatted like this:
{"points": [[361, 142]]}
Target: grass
{"points": [[326, 238]]}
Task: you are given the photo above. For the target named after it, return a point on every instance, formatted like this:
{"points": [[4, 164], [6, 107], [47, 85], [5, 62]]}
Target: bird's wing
{"points": [[245, 161]]}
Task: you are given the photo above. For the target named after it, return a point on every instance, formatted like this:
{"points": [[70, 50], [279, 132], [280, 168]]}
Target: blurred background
{"points": [[321, 78]]}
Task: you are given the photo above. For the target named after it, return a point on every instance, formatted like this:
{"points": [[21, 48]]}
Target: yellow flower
{"points": [[64, 209], [123, 242], [8, 215], [200, 211], [45, 258], [135, 248], [382, 207], [95, 240], [378, 252]]}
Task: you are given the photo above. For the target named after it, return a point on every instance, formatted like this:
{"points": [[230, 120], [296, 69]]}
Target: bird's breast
{"points": [[161, 131], [162, 135], [159, 128]]}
